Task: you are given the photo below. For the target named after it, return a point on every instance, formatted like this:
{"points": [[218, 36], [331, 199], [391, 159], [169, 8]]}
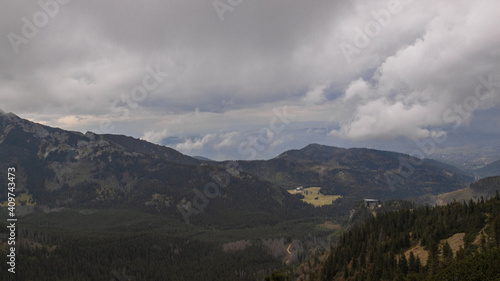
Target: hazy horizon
{"points": [[251, 79]]}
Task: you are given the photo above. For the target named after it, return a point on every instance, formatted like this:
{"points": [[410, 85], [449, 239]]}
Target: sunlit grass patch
{"points": [[314, 197]]}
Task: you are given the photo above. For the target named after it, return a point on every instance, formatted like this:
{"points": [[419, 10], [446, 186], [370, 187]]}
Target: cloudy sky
{"points": [[248, 79]]}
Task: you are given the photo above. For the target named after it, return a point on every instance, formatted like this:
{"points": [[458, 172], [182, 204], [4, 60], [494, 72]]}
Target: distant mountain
{"points": [[58, 168], [490, 170], [484, 188], [146, 148], [95, 193], [114, 203], [358, 172], [202, 158]]}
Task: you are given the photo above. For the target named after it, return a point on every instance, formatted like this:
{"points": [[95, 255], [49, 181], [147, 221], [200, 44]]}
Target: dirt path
{"points": [[290, 253]]}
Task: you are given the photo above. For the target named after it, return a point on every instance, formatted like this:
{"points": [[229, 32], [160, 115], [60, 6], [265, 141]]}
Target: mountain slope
{"points": [[490, 170], [381, 248], [107, 202], [484, 188], [358, 172], [69, 169], [417, 244], [143, 147], [62, 169]]}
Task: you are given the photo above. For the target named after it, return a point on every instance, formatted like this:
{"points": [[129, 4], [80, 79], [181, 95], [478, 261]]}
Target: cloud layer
{"points": [[173, 72]]}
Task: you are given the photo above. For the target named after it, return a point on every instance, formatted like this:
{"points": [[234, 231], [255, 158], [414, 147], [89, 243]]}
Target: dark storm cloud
{"points": [[352, 70]]}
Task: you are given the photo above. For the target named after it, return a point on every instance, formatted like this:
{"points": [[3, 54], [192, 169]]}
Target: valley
{"points": [[149, 206], [233, 140]]}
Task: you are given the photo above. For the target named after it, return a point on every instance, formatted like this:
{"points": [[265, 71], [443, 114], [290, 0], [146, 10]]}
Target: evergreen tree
{"points": [[372, 250], [496, 229], [447, 254], [418, 265], [461, 254], [403, 264], [412, 263], [482, 241], [433, 262]]}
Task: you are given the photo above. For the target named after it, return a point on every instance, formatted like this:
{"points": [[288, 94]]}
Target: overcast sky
{"points": [[248, 79]]}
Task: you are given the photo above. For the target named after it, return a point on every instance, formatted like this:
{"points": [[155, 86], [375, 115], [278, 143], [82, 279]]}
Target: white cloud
{"points": [[195, 144], [155, 136], [414, 88], [225, 78], [226, 139], [316, 95], [358, 88]]}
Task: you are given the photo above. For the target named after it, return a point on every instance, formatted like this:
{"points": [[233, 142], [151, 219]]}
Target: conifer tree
{"points": [[496, 229], [418, 265], [403, 264], [412, 263], [447, 254], [433, 262]]}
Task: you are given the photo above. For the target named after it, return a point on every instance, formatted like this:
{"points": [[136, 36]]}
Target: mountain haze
{"points": [[109, 187], [63, 168], [358, 172], [490, 170]]}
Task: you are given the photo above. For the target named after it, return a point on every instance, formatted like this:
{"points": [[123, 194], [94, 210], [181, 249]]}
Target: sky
{"points": [[249, 79]]}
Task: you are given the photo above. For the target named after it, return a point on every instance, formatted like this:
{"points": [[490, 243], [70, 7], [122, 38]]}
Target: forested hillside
{"points": [[458, 241], [415, 245], [95, 206], [358, 172]]}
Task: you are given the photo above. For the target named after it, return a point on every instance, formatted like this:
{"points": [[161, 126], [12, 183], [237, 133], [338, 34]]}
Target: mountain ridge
{"points": [[118, 168], [490, 170], [361, 172], [60, 168]]}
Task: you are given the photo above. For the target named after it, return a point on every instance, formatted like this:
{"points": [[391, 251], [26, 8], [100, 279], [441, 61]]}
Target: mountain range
{"points": [[358, 172], [61, 168], [58, 168], [150, 206]]}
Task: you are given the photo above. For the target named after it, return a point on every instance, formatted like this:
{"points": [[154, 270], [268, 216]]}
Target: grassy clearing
{"points": [[329, 225], [26, 199], [456, 241], [22, 199], [460, 195], [314, 197], [418, 251]]}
